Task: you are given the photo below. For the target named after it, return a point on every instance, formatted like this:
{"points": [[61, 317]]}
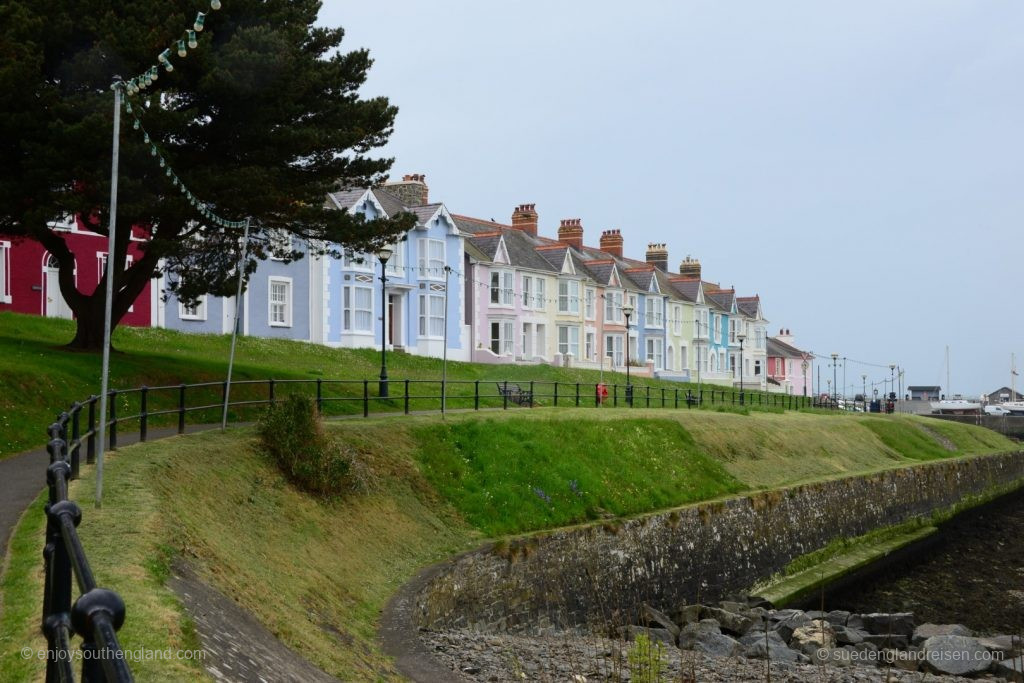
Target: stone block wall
{"points": [[598, 575]]}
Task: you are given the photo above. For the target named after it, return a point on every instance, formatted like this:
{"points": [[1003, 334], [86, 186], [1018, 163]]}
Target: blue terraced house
{"points": [[338, 301]]}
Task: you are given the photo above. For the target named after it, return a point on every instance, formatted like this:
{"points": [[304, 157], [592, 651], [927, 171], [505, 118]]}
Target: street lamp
{"points": [[864, 391], [892, 378], [803, 366], [741, 338], [383, 255], [627, 311], [834, 385]]}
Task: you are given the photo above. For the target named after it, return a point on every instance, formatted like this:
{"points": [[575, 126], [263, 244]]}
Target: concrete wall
{"points": [[599, 574], [1010, 425]]}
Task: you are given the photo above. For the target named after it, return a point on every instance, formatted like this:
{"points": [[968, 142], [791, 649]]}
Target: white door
{"points": [[56, 307]]}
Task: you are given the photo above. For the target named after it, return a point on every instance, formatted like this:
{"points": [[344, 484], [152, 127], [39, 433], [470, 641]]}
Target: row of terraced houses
{"points": [[494, 292]]}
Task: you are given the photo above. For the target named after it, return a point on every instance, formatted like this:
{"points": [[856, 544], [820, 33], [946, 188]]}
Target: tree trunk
{"points": [[89, 324]]}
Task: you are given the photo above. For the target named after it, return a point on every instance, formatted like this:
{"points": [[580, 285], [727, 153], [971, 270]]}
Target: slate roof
{"points": [[687, 288], [423, 212], [748, 305], [390, 203], [722, 298], [347, 197], [780, 349], [600, 270], [641, 276]]}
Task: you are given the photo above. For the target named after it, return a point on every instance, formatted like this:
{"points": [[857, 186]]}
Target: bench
{"points": [[516, 394]]}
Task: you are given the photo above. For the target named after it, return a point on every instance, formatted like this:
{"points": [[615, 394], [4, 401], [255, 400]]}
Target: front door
{"points": [[56, 307], [395, 321]]}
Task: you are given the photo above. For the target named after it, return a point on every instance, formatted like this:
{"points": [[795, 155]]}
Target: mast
{"points": [[1013, 377], [949, 390]]}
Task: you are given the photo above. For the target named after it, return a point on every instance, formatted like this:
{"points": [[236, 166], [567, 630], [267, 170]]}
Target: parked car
{"points": [[996, 410]]}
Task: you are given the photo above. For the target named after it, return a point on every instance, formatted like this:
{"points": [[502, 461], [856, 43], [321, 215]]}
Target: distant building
{"points": [[1002, 395], [788, 366], [925, 393]]}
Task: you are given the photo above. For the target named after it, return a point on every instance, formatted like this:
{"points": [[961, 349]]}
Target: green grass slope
{"points": [[40, 379], [318, 573]]}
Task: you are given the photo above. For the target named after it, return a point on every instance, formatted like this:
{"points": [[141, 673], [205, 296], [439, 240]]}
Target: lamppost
{"points": [[627, 311], [741, 338], [864, 391], [834, 386], [383, 255], [803, 366], [892, 379]]}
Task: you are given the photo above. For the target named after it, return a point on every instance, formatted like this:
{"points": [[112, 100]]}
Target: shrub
{"points": [[292, 433], [646, 660]]}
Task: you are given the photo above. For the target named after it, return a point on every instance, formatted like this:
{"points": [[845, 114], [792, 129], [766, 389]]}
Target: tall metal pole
{"points": [[444, 352], [835, 384], [234, 330], [741, 369], [844, 379], [383, 387], [111, 258], [629, 386]]}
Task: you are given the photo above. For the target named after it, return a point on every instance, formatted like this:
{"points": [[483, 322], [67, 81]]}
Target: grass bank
{"points": [[40, 378], [317, 573]]}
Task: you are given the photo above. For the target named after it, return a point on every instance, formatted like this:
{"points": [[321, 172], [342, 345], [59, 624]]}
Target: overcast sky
{"points": [[857, 164]]}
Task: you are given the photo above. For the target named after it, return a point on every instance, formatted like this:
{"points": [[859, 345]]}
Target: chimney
{"points": [[525, 218], [657, 256], [570, 232], [412, 189], [611, 242], [785, 337], [690, 267]]}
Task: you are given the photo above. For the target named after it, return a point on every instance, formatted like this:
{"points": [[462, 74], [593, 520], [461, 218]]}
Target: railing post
{"points": [[597, 395], [648, 405], [476, 394], [366, 398], [407, 398], [556, 391], [531, 393], [577, 394], [113, 420], [181, 409], [270, 391], [663, 397], [58, 591], [143, 414], [76, 435], [615, 396], [319, 395], [676, 398], [90, 447], [504, 396]]}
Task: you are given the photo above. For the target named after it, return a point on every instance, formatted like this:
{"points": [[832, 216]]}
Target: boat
{"points": [[956, 406], [1014, 407]]}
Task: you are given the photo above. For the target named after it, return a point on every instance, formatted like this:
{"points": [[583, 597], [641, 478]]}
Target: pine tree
{"points": [[260, 120]]}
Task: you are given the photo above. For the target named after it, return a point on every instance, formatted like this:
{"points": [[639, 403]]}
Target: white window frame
{"points": [[589, 296], [569, 340], [431, 322], [527, 291], [504, 289], [396, 264], [505, 341], [349, 310], [589, 339], [614, 349], [540, 301], [613, 304], [431, 266], [656, 352], [654, 312], [357, 260], [197, 312], [288, 308], [569, 301], [5, 272]]}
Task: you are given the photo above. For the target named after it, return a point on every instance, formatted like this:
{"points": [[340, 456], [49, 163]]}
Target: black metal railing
{"points": [[98, 613]]}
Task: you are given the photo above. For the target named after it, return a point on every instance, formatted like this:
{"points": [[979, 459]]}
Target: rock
{"points": [[688, 614], [772, 637], [734, 607], [705, 637], [815, 614], [631, 632], [786, 627], [782, 614], [1010, 669], [835, 657], [904, 660], [865, 646], [730, 622], [818, 633], [957, 655], [887, 642], [757, 645], [838, 617], [758, 601], [653, 616], [926, 631], [901, 623], [1005, 644], [855, 621], [848, 636]]}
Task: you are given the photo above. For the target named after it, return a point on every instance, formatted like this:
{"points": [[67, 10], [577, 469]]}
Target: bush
{"points": [[292, 433]]}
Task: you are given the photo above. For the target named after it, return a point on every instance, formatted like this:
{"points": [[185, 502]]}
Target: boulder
{"points": [[1005, 644], [926, 631], [754, 636], [758, 601], [901, 623], [705, 637], [887, 641], [815, 614], [688, 614], [955, 655], [818, 633], [631, 632], [836, 657], [855, 621], [777, 615], [848, 636], [736, 624], [904, 660], [733, 606], [838, 617], [757, 645], [787, 626], [1010, 669], [653, 616]]}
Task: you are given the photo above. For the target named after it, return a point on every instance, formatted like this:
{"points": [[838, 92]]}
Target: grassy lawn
{"points": [[41, 379]]}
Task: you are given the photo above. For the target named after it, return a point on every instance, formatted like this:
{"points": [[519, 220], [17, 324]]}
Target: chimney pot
{"points": [[657, 255], [412, 189], [525, 218], [570, 232], [611, 242]]}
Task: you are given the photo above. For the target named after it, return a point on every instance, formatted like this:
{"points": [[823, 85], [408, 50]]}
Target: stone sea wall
{"points": [[599, 575]]}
